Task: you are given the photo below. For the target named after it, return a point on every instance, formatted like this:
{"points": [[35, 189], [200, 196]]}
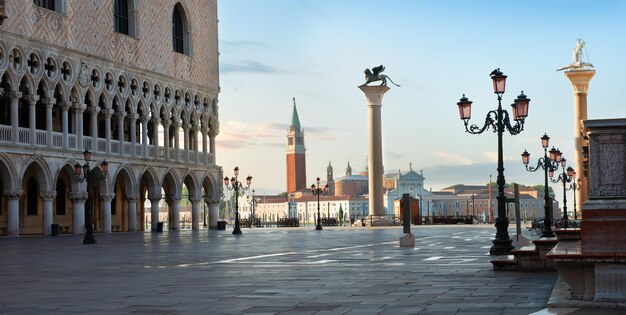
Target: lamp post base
{"points": [[236, 231], [318, 228], [502, 244], [89, 240]]}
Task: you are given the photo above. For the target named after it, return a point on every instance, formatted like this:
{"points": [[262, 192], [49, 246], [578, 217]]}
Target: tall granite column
{"points": [[374, 97], [48, 197], [580, 84]]}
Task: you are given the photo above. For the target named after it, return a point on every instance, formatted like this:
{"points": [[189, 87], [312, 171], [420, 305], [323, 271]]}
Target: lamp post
{"points": [[565, 177], [252, 200], [236, 185], [574, 186], [317, 191], [549, 165], [499, 120], [84, 174]]}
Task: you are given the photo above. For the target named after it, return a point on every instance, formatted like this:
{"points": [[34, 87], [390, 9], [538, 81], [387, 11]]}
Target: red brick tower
{"points": [[296, 158]]}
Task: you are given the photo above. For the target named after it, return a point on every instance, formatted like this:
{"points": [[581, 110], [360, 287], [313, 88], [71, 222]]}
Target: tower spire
{"points": [[295, 120]]}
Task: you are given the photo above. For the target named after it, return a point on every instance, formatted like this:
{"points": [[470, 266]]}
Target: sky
{"points": [[317, 50]]}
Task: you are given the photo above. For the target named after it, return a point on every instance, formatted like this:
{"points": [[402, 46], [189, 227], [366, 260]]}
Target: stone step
{"points": [[505, 263]]}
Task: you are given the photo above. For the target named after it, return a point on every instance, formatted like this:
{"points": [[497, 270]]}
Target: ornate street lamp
{"points": [[575, 185], [234, 184], [548, 165], [565, 177], [252, 200], [84, 174], [500, 121], [317, 191]]}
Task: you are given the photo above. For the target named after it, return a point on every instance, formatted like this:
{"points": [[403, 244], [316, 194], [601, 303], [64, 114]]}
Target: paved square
{"points": [[270, 271]]}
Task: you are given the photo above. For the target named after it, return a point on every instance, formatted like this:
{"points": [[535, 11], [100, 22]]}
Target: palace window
{"points": [[52, 5], [120, 15], [124, 17], [180, 31]]}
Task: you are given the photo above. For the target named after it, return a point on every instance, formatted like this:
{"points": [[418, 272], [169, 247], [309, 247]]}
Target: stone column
{"points": [[194, 142], [133, 133], [144, 134], [155, 136], [65, 106], [78, 112], [174, 203], [580, 84], [176, 141], [106, 212], [154, 211], [212, 134], [32, 118], [204, 131], [195, 213], [166, 138], [94, 128], [120, 130], [13, 211], [214, 211], [47, 197], [186, 141], [78, 211], [107, 129], [49, 103], [15, 97], [132, 212], [374, 97]]}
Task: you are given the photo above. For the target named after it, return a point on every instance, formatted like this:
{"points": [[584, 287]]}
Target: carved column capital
{"points": [[155, 120], [211, 200], [132, 197], [133, 116], [13, 194], [154, 198], [48, 195], [15, 94], [213, 132], [107, 197], [195, 199], [78, 196], [50, 101], [120, 115], [145, 119], [32, 99], [166, 123], [65, 105], [108, 113], [94, 110]]}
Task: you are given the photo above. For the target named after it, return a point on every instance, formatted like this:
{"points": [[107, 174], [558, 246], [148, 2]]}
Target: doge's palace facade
{"points": [[133, 82]]}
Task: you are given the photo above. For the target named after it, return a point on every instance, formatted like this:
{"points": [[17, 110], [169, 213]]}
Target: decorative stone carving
{"points": [[13, 194], [78, 196], [48, 195], [83, 75], [107, 197]]}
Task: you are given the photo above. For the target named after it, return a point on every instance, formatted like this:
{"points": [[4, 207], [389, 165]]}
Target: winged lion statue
{"points": [[375, 75]]}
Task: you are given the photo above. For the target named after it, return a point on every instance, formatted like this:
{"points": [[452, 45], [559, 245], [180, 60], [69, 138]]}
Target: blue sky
{"points": [[316, 51]]}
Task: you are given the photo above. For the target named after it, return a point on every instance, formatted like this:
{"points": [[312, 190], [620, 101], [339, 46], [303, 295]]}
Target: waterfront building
{"points": [[133, 82]]}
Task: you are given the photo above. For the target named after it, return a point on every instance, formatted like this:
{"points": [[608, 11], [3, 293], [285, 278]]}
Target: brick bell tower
{"points": [[296, 158]]}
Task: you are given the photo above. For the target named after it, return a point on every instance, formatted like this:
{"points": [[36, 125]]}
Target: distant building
{"points": [[296, 154]]}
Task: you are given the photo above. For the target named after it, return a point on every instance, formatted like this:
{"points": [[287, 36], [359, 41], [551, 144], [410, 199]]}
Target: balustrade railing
{"points": [[152, 152]]}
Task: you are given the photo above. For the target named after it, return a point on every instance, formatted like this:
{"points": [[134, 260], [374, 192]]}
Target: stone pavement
{"points": [[267, 271]]}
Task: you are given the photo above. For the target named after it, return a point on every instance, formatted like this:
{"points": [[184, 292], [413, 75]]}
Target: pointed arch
{"points": [[181, 30], [42, 171], [8, 173]]}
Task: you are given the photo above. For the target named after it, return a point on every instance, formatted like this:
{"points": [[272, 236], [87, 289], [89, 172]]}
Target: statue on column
{"points": [[577, 57], [375, 75]]}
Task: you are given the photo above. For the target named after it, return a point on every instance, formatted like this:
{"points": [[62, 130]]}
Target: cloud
{"points": [[236, 44], [262, 135], [246, 67], [452, 158]]}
